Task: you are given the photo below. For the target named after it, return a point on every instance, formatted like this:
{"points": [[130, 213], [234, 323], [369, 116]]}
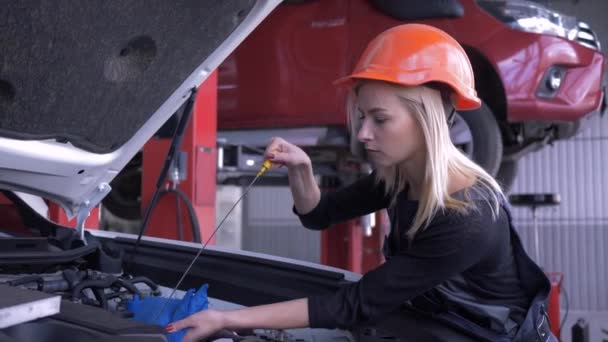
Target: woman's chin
{"points": [[377, 160]]}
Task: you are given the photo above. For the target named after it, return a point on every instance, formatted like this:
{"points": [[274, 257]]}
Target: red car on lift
{"points": [[539, 73]]}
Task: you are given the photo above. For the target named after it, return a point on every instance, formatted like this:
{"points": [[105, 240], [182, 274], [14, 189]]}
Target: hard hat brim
{"points": [[460, 101]]}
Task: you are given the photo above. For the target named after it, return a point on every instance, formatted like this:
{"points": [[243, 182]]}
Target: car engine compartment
{"points": [[94, 308], [96, 280]]}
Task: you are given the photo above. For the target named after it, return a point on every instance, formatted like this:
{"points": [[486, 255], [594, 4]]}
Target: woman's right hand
{"points": [[304, 189], [200, 325], [280, 152]]}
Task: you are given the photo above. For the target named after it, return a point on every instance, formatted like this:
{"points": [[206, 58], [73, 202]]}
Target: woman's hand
{"points": [[200, 325], [283, 315], [281, 152]]}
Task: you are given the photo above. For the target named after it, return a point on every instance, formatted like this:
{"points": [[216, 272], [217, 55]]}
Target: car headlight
{"points": [[531, 17]]}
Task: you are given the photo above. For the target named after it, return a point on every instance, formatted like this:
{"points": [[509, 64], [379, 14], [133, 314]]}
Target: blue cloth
{"points": [[147, 310]]}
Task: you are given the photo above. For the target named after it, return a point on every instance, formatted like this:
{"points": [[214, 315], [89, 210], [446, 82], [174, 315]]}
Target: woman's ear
{"points": [[448, 107], [451, 116], [446, 99]]}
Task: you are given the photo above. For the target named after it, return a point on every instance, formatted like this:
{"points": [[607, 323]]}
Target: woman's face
{"points": [[390, 133]]}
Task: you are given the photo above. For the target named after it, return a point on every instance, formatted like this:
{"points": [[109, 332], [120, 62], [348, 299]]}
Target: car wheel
{"points": [[506, 174], [476, 133], [124, 201]]}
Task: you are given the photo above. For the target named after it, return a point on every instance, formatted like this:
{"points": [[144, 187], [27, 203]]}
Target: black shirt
{"points": [[465, 260]]}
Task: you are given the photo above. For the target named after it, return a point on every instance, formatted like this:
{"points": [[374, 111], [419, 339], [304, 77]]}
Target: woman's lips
{"points": [[372, 154]]}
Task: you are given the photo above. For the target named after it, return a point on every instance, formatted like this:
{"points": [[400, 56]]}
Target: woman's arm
{"points": [[284, 315], [304, 189], [318, 211]]}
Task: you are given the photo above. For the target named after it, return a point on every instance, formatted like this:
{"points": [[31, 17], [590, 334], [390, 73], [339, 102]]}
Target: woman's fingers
{"points": [[278, 152], [187, 322], [199, 325], [276, 145], [278, 158], [282, 153]]}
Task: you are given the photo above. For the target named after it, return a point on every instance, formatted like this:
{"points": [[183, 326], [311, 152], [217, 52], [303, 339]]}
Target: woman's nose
{"points": [[365, 132]]}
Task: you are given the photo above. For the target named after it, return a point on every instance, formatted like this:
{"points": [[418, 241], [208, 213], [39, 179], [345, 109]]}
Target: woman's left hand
{"points": [[200, 325]]}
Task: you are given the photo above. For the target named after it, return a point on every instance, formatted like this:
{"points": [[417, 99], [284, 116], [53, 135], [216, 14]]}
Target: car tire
{"points": [[124, 200], [477, 134], [506, 174]]}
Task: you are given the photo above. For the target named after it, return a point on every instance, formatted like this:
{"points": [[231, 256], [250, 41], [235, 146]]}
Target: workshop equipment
{"points": [[580, 331], [535, 201], [197, 171]]}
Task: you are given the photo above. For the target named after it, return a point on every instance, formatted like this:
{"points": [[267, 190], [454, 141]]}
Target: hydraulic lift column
{"points": [[355, 245], [199, 146]]}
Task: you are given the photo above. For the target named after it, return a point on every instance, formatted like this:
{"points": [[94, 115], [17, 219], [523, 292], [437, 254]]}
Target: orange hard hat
{"points": [[414, 54]]}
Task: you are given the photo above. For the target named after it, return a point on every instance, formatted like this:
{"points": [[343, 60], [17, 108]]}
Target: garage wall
{"points": [[574, 235], [269, 226]]}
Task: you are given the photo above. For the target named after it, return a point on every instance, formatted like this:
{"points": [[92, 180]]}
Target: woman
{"points": [[455, 269]]}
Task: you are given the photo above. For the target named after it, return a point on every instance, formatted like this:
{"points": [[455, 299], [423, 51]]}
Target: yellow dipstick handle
{"points": [[265, 166]]}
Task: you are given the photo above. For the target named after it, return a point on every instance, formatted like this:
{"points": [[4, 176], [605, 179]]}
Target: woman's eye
{"points": [[380, 121]]}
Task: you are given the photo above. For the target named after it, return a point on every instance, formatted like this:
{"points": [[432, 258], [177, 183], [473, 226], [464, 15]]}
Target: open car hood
{"points": [[84, 85]]}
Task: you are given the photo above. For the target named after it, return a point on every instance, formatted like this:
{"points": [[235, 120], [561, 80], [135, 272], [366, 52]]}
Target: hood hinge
{"points": [[85, 208]]}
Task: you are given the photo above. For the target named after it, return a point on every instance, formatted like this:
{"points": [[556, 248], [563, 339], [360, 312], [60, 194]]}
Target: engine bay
{"points": [[98, 279], [94, 307]]}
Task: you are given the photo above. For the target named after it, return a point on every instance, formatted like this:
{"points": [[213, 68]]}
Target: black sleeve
{"points": [[449, 246], [360, 198]]}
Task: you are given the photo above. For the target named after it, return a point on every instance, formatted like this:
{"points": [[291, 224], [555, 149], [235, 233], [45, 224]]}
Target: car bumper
{"points": [[523, 66], [604, 104]]}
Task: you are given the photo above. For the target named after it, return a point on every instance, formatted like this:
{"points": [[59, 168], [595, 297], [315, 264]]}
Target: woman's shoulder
{"points": [[484, 208]]}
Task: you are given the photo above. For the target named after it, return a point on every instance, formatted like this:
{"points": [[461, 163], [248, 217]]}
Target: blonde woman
{"points": [[455, 269]]}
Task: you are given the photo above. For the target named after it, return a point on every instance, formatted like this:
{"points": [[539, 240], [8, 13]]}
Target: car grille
{"points": [[587, 37]]}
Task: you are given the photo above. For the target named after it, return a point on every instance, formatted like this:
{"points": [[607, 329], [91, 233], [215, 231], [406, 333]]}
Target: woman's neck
{"points": [[415, 178]]}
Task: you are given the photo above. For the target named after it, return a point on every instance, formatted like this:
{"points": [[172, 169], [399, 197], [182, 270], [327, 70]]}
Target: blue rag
{"points": [[147, 310]]}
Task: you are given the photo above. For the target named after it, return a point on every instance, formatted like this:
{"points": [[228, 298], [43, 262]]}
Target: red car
{"points": [[539, 73]]}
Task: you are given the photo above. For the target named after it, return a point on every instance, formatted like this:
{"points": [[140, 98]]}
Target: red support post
{"points": [[199, 144], [557, 279], [341, 246], [346, 246], [372, 245]]}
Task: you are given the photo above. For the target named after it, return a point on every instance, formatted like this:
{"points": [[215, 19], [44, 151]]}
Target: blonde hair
{"points": [[429, 105]]}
